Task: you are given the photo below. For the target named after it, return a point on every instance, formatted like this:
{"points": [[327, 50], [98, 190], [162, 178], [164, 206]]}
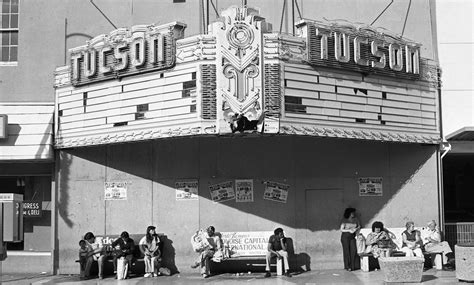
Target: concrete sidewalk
{"points": [[431, 276]]}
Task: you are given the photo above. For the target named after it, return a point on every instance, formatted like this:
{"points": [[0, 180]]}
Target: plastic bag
{"points": [[360, 242], [199, 241], [122, 268]]}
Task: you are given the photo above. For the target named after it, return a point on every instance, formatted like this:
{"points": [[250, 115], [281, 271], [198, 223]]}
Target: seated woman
{"points": [[378, 241]]}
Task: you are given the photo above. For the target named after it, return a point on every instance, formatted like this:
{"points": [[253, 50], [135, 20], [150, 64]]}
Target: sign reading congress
{"points": [[361, 49], [125, 52]]}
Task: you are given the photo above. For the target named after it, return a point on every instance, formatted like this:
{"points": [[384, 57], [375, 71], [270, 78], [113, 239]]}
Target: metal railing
{"points": [[459, 233]]}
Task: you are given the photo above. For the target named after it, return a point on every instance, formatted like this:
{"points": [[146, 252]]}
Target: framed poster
{"points": [[370, 186], [187, 190], [115, 190], [275, 191], [244, 190]]}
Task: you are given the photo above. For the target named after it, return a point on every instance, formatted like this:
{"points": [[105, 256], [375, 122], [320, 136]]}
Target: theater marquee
{"points": [[125, 52]]}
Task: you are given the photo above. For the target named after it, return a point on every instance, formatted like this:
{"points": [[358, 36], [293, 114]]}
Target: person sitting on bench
{"points": [[411, 241], [277, 246], [378, 241], [126, 249], [432, 242]]}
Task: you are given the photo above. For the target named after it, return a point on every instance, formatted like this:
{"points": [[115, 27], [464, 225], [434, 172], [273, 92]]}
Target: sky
{"points": [[455, 26]]}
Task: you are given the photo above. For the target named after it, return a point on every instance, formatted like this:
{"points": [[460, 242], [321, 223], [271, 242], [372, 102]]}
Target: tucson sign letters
{"points": [[361, 49], [123, 53]]}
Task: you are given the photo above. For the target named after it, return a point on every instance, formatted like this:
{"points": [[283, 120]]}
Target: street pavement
{"points": [[431, 276]]}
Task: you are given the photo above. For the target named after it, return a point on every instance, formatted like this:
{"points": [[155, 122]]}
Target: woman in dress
{"points": [[349, 227], [378, 241]]}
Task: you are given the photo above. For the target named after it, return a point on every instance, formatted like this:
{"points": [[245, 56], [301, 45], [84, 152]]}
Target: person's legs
{"points": [[205, 260], [284, 255], [408, 252], [355, 261], [129, 259], [148, 267], [417, 252], [154, 265], [87, 268], [115, 263], [100, 265], [345, 241]]}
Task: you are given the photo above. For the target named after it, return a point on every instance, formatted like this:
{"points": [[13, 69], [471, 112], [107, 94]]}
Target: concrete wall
{"points": [[322, 174]]}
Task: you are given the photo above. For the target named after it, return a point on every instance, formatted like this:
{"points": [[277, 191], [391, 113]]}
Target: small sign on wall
{"points": [[3, 126], [244, 190], [115, 190], [222, 191], [187, 190], [275, 191], [32, 209], [370, 186]]}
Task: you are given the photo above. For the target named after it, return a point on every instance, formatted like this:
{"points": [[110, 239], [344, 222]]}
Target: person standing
{"points": [[349, 227], [277, 246], [149, 245]]}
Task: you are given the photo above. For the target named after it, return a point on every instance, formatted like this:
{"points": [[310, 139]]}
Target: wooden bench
{"points": [[366, 259], [248, 247]]}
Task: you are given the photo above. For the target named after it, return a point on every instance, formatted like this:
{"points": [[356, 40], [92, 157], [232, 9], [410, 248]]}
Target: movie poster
{"points": [[186, 190], [275, 191], [222, 191], [244, 190], [370, 186]]}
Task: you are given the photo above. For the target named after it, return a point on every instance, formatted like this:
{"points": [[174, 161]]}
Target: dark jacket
{"points": [[126, 247]]}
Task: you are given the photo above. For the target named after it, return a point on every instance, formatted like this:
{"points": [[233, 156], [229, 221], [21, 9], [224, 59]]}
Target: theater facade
{"points": [[247, 130]]}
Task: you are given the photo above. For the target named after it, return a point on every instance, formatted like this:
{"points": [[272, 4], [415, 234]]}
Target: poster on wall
{"points": [[222, 191], [244, 190], [275, 191], [186, 190], [115, 190], [370, 186]]}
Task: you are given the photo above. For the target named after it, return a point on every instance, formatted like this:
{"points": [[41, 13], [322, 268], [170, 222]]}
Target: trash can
{"points": [[464, 261]]}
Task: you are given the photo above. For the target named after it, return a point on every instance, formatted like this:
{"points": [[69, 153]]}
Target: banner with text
{"points": [[222, 191], [276, 191], [370, 186], [186, 190], [246, 243], [244, 190]]}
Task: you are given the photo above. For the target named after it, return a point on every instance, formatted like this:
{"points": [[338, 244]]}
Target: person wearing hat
{"points": [[126, 248], [432, 243], [150, 247]]}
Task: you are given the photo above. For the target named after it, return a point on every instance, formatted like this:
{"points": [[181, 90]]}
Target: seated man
{"points": [[411, 241], [212, 244], [432, 242], [277, 246], [126, 249], [95, 253]]}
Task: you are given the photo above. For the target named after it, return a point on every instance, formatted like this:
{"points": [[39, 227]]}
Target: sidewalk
{"points": [[431, 276]]}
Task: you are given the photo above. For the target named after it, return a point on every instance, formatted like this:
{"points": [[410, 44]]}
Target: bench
{"points": [[138, 264], [246, 248], [366, 259]]}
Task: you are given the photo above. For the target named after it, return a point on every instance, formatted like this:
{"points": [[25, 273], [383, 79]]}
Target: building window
{"points": [[9, 31]]}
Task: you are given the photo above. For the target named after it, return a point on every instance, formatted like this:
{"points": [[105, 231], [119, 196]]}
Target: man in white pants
{"points": [[277, 246]]}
